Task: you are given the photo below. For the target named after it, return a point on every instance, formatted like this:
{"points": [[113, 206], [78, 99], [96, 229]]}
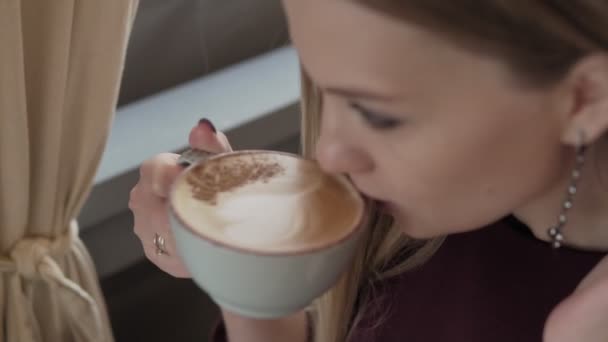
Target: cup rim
{"points": [[352, 231]]}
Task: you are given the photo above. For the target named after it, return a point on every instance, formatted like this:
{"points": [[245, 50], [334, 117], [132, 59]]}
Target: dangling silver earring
{"points": [[555, 232]]}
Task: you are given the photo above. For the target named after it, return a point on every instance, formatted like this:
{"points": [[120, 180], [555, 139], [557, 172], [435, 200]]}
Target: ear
{"points": [[587, 85]]}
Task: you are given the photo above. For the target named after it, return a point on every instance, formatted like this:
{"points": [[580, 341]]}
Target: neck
{"points": [[587, 221]]}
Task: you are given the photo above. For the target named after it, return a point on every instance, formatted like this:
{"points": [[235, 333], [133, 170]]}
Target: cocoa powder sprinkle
{"points": [[224, 175]]}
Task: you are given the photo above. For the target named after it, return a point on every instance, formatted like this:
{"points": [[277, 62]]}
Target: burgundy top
{"points": [[494, 284]]}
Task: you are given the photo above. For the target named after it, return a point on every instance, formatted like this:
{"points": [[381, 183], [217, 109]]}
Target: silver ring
{"points": [[159, 243], [193, 156]]}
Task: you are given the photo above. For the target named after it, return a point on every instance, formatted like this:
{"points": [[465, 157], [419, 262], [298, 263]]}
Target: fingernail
{"points": [[205, 121]]}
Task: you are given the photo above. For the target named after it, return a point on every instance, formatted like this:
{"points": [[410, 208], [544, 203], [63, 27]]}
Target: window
{"points": [[179, 40]]}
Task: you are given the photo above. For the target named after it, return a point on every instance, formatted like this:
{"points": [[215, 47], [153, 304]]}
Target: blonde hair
{"points": [[334, 313]]}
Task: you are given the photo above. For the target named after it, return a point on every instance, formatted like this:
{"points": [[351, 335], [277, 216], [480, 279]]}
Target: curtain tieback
{"points": [[32, 258]]}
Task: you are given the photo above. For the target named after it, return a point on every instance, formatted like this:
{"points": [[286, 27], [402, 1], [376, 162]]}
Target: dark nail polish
{"points": [[205, 121]]}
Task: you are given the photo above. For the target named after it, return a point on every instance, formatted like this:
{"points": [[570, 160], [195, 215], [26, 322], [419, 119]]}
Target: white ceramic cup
{"points": [[256, 283]]}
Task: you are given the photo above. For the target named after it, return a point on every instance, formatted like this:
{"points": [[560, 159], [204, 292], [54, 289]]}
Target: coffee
{"points": [[267, 202]]}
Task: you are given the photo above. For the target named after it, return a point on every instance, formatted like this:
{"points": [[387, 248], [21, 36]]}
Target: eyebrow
{"points": [[357, 93]]}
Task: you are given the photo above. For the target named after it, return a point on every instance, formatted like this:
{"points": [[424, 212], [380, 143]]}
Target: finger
{"points": [[599, 272], [205, 137], [151, 217], [224, 141], [146, 227], [158, 174], [139, 197], [174, 263], [580, 317], [135, 197], [169, 262]]}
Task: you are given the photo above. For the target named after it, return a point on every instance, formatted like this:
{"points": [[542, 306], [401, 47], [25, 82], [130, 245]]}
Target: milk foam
{"points": [[290, 210]]}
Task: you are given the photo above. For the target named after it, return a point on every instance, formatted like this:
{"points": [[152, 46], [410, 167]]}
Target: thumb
{"points": [[205, 137]]}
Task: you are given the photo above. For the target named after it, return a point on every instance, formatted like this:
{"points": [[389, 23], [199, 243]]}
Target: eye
{"points": [[374, 119]]}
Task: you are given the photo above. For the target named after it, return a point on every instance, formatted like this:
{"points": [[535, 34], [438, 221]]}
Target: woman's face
{"points": [[448, 138]]}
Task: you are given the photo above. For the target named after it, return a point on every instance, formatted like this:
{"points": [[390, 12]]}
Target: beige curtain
{"points": [[60, 66]]}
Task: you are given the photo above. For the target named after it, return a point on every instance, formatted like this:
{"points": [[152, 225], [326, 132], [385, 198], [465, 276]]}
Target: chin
{"points": [[418, 234], [413, 230]]}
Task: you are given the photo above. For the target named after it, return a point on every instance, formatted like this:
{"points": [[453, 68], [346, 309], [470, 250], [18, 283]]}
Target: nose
{"points": [[338, 151], [340, 159]]}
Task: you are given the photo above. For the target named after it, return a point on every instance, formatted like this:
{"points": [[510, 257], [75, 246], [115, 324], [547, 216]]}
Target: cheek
{"points": [[459, 176]]}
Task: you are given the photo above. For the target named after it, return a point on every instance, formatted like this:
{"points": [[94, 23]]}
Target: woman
{"points": [[484, 122]]}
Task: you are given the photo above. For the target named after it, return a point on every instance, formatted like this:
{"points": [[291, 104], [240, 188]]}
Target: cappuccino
{"points": [[266, 202]]}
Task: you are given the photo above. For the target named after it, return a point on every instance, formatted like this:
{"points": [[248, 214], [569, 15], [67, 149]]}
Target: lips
{"points": [[374, 201]]}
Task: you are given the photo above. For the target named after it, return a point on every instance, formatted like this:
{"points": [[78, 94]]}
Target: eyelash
{"points": [[375, 120]]}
